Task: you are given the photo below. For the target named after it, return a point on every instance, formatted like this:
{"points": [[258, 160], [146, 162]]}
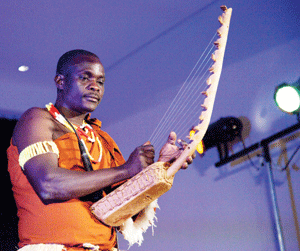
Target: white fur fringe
{"points": [[133, 230]]}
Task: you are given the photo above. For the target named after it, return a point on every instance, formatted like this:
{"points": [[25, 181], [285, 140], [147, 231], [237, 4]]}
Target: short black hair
{"points": [[66, 59]]}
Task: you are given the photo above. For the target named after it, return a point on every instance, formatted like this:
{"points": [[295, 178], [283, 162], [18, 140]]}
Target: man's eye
{"points": [[84, 78], [101, 81]]}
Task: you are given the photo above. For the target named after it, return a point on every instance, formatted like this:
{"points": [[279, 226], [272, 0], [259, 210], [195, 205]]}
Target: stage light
{"points": [[219, 134], [287, 97], [222, 131]]}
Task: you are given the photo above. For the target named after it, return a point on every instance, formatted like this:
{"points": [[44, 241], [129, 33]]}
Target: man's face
{"points": [[84, 86]]}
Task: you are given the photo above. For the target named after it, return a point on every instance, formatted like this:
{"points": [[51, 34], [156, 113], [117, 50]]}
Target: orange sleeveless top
{"points": [[70, 223]]}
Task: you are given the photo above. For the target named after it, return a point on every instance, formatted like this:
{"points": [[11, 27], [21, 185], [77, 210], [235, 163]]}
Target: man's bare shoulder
{"points": [[34, 115], [35, 124], [35, 112]]}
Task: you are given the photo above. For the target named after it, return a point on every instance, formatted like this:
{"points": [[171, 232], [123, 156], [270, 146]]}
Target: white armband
{"points": [[43, 247], [37, 149]]}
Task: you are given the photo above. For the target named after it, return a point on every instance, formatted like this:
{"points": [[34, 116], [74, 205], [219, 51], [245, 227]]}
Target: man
{"points": [[46, 168]]}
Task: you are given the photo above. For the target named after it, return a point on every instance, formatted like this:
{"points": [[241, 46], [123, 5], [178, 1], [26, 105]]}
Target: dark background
{"points": [[9, 219]]}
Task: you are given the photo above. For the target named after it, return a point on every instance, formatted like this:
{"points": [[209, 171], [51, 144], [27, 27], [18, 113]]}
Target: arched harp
{"points": [[138, 192]]}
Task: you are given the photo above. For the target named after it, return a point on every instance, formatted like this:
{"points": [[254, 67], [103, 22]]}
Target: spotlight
{"points": [[287, 97], [222, 131], [219, 134]]}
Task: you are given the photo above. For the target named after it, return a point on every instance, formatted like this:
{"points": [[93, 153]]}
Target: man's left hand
{"points": [[170, 151]]}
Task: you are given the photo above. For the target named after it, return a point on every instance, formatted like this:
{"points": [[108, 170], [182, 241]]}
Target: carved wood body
{"points": [[134, 195]]}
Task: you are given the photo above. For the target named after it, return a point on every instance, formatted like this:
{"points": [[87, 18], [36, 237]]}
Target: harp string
{"points": [[192, 97], [186, 106], [181, 117], [176, 101]]}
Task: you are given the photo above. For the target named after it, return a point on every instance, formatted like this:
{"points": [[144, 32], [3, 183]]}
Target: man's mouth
{"points": [[92, 97]]}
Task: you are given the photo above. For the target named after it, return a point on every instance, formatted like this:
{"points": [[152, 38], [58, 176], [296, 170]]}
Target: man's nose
{"points": [[94, 86]]}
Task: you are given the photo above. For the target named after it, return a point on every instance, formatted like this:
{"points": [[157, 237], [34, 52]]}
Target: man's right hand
{"points": [[140, 158]]}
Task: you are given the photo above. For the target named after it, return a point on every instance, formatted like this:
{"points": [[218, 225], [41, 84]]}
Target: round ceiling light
{"points": [[23, 68]]}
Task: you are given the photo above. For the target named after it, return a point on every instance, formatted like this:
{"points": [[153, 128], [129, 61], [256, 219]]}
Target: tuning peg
{"points": [[213, 57], [204, 107], [208, 81], [223, 7], [204, 93]]}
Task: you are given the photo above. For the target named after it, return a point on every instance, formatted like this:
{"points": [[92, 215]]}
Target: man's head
{"points": [[79, 80], [73, 57]]}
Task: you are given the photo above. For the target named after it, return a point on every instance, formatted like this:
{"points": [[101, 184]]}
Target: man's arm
{"points": [[55, 184]]}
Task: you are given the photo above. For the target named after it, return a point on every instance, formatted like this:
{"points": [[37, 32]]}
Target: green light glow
{"points": [[287, 98]]}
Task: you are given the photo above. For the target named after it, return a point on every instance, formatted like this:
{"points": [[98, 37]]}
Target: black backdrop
{"points": [[8, 212]]}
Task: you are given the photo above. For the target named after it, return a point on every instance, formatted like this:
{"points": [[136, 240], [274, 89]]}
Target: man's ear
{"points": [[59, 81]]}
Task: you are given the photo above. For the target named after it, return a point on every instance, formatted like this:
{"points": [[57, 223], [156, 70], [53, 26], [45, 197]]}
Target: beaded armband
{"points": [[37, 149]]}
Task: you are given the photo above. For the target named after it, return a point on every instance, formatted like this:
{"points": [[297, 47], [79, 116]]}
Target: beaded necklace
{"points": [[82, 131]]}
